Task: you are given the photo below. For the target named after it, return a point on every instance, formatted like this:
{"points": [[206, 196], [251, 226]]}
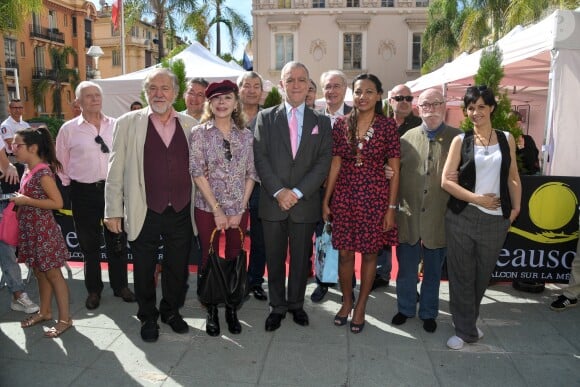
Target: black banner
{"points": [[541, 243]]}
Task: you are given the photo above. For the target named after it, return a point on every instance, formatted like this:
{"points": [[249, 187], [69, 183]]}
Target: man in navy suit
{"points": [[291, 172]]}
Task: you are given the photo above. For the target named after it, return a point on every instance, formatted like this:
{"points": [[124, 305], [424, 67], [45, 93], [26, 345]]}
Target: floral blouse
{"points": [[225, 166]]}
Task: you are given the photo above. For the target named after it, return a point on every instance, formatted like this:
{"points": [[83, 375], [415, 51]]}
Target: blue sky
{"points": [[244, 7]]}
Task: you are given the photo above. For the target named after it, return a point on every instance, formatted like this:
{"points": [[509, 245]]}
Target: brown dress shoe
{"points": [[93, 301], [126, 294]]}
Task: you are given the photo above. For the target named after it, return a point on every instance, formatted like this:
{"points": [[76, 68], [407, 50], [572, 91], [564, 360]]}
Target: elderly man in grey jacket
{"points": [[422, 209]]}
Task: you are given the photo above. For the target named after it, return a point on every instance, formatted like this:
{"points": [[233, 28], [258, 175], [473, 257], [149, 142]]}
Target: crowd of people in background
{"points": [[384, 177]]}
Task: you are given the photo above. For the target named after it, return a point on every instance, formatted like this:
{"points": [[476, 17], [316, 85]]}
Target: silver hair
{"points": [[291, 65], [157, 72], [251, 75], [83, 85], [327, 74]]}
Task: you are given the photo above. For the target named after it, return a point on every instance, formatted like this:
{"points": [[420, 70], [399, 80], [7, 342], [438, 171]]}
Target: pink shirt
{"points": [[80, 155], [167, 130]]}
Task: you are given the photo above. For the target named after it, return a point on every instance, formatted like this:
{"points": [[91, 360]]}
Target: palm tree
{"points": [[468, 25], [216, 13], [440, 37], [166, 14], [56, 79], [13, 13]]}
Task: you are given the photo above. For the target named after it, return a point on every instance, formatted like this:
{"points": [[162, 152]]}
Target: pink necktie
{"points": [[293, 124]]}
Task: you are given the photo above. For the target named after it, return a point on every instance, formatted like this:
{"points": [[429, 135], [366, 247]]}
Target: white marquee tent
{"points": [[119, 92], [542, 71]]}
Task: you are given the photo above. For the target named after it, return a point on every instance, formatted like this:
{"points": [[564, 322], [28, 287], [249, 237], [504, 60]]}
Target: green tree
{"points": [[13, 14], [440, 37], [56, 79], [166, 16], [216, 13], [274, 98], [454, 26], [490, 73]]}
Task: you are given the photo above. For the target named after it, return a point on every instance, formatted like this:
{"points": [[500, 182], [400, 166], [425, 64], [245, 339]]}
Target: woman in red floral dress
{"points": [[359, 199], [41, 244]]}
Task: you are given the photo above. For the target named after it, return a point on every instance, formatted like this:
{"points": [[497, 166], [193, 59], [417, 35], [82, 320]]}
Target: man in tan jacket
{"points": [[149, 191]]}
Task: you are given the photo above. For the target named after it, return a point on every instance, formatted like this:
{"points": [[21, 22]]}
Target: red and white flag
{"points": [[116, 13]]}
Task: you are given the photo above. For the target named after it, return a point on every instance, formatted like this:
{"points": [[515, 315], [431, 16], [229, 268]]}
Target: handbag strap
{"points": [[31, 173], [217, 230]]}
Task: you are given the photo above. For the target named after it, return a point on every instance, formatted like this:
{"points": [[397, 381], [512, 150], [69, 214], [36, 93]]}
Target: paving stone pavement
{"points": [[525, 344]]}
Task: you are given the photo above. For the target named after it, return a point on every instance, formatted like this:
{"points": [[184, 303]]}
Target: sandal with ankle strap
{"points": [[34, 319], [56, 331]]}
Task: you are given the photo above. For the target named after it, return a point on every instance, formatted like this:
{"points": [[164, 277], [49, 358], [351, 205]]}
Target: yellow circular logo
{"points": [[552, 206]]}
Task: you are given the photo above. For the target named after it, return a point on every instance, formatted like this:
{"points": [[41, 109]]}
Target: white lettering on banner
{"points": [[71, 240], [536, 258]]}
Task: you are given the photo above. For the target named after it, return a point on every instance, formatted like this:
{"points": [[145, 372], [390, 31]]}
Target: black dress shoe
{"points": [[319, 293], [430, 325], [176, 323], [300, 317], [399, 319], [93, 301], [273, 321], [126, 294], [259, 293], [234, 325], [149, 331], [212, 321]]}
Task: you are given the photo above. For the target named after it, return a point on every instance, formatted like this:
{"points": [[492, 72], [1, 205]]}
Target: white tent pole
{"points": [[122, 11]]}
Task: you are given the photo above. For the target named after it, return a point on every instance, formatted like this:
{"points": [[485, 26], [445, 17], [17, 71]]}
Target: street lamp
{"points": [[96, 52], [16, 83]]}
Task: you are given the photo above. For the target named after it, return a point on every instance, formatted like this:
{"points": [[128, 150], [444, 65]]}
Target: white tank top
{"points": [[487, 172]]}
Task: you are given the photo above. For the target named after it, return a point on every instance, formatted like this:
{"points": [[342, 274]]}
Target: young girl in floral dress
{"points": [[41, 244]]}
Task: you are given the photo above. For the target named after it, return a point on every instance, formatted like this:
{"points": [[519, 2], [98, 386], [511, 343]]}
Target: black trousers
{"points": [[279, 236], [88, 207], [175, 232], [257, 265]]}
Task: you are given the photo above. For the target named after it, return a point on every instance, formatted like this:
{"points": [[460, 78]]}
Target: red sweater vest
{"points": [[166, 169]]}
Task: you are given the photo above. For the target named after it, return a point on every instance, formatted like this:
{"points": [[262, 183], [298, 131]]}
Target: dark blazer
{"points": [[278, 169]]}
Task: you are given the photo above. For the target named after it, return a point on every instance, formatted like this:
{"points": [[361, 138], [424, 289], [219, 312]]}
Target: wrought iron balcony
{"points": [[52, 34], [42, 73], [10, 65]]}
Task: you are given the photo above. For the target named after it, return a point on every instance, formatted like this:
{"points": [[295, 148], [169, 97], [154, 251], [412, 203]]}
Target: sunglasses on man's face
{"points": [[104, 148], [400, 98]]}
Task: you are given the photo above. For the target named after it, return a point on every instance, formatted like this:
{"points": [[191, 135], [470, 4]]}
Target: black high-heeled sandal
{"points": [[357, 328], [340, 321]]}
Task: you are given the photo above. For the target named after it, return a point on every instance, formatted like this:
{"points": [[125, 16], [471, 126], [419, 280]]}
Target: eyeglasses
{"points": [[16, 145], [427, 105], [16, 107], [104, 148], [228, 149], [400, 98]]}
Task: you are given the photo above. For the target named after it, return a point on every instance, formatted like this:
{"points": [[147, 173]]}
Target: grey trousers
{"points": [[474, 241], [572, 291]]}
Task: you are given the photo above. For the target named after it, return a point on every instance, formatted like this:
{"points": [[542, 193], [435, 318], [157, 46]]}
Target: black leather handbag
{"points": [[223, 281]]}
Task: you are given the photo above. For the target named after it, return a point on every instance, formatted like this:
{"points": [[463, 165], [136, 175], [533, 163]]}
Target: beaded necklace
{"points": [[361, 143]]}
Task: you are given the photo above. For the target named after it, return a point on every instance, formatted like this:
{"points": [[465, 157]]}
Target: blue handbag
{"points": [[326, 257]]}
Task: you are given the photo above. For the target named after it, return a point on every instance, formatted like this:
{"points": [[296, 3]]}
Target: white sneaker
{"points": [[23, 304], [455, 342]]}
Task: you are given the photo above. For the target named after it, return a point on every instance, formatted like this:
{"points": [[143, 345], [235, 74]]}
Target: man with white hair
{"points": [[424, 150], [83, 145], [149, 191]]}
